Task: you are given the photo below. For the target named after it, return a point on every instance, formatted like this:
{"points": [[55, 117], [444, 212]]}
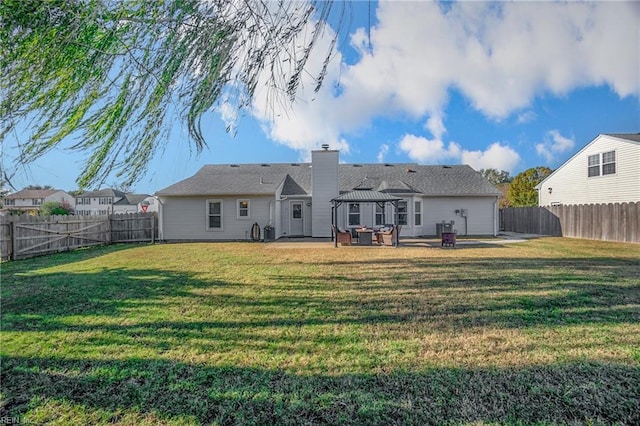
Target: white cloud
{"points": [[436, 126], [526, 117], [425, 150], [500, 56], [229, 115], [435, 151], [496, 156], [384, 149], [554, 145]]}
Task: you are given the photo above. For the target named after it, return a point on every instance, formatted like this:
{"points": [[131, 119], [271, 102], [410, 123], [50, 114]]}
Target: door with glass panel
{"points": [[296, 221]]}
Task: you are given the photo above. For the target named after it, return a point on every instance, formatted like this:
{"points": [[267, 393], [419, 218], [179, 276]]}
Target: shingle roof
{"points": [[256, 179], [32, 193], [253, 179], [456, 180], [132, 199], [635, 137], [107, 192]]}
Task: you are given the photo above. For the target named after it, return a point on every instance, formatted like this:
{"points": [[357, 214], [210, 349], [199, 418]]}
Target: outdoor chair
{"points": [[387, 237], [343, 237]]}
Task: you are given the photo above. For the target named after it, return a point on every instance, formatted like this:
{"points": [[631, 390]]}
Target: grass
{"points": [[542, 332]]}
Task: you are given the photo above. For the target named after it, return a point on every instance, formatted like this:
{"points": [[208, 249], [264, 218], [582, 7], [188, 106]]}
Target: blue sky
{"points": [[502, 85]]}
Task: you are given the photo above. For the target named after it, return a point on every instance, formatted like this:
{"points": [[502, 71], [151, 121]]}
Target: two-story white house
{"points": [[30, 200], [109, 201], [606, 170]]}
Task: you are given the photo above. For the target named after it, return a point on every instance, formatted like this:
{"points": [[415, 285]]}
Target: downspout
{"points": [[495, 218], [272, 205]]}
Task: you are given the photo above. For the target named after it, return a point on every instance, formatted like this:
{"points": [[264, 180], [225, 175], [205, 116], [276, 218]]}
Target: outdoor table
{"points": [[365, 237]]}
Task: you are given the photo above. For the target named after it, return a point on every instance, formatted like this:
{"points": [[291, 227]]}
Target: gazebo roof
{"points": [[365, 196]]}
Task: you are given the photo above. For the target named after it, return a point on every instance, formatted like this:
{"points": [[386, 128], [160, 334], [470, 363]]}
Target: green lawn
{"points": [[542, 332]]}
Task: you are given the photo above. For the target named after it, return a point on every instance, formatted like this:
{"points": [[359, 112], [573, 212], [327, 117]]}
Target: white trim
{"points": [[349, 214], [207, 215], [417, 202], [406, 212], [577, 154], [291, 203], [238, 209]]}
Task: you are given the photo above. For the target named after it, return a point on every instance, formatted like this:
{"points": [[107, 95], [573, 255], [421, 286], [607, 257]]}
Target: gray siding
{"points": [[185, 218], [481, 214]]}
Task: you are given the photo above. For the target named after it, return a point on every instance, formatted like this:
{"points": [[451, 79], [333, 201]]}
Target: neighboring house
{"points": [[108, 201], [606, 170], [30, 200], [222, 202], [132, 203]]}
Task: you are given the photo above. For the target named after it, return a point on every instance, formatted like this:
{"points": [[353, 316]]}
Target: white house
{"points": [[606, 170], [109, 201], [223, 202], [30, 200]]}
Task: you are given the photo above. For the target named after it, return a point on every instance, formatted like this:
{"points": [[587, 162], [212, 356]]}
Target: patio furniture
{"points": [[448, 239], [387, 237], [365, 236], [342, 237]]}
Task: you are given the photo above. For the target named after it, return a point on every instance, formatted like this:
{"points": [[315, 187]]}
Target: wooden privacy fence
{"points": [[28, 236], [606, 222]]}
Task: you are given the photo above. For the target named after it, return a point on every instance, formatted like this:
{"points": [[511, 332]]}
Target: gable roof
{"points": [[249, 179], [295, 179], [130, 199], [107, 192], [32, 193], [633, 138]]}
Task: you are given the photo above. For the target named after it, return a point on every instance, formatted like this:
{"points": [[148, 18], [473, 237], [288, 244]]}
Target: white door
{"points": [[296, 221]]}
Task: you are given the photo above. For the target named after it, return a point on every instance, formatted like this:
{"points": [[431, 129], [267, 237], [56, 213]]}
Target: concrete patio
{"points": [[462, 241]]}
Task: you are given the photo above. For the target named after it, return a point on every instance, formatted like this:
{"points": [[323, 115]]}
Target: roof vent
{"points": [[446, 167], [410, 171], [388, 165], [357, 165], [234, 165], [325, 146], [295, 164], [265, 165]]}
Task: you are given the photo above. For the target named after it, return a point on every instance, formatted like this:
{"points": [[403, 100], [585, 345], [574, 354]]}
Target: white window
{"points": [[417, 213], [214, 215], [10, 201], [104, 200], [37, 201], [354, 214], [402, 212], [296, 210], [243, 209], [609, 163], [594, 165], [379, 214]]}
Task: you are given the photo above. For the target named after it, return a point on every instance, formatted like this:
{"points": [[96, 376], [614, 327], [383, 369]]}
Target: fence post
{"points": [[109, 238], [153, 228], [13, 239]]}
